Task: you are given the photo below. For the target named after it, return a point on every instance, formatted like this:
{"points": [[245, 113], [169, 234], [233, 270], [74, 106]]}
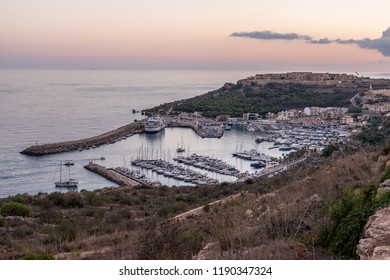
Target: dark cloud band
{"points": [[269, 35], [381, 44]]}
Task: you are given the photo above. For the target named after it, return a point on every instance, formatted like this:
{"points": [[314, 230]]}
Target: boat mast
{"points": [[61, 171]]}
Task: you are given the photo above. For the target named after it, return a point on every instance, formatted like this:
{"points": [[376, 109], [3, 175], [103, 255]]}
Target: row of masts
{"points": [[149, 153]]}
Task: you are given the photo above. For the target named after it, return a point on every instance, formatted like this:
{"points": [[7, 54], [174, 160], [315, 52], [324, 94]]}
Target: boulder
{"points": [[375, 243], [383, 187]]}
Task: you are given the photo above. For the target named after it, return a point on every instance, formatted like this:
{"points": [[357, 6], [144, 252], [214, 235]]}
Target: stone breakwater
{"points": [[92, 142], [111, 175]]}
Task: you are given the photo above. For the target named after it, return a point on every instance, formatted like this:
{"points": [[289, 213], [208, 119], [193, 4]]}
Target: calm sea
{"points": [[40, 106]]}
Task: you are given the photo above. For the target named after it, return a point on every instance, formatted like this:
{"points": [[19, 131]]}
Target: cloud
{"points": [[269, 35], [323, 41], [381, 44]]}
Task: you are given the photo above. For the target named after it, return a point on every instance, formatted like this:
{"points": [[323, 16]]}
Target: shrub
{"points": [[15, 209], [328, 151], [50, 216], [74, 200], [92, 198], [22, 198], [68, 230], [348, 217], [386, 150], [249, 181], [230, 203], [385, 176], [1, 222], [41, 256], [57, 198], [191, 241], [22, 231], [172, 208]]}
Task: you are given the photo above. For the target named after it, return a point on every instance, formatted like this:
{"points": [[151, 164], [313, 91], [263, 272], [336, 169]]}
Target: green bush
{"points": [[1, 222], [385, 176], [22, 198], [74, 200], [348, 217], [15, 209], [249, 181], [57, 198], [328, 151], [41, 256]]}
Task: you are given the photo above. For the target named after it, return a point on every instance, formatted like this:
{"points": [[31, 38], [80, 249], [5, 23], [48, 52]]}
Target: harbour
{"points": [[156, 162], [44, 121]]}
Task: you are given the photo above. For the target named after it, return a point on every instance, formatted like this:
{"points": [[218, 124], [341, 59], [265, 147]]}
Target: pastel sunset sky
{"points": [[202, 34]]}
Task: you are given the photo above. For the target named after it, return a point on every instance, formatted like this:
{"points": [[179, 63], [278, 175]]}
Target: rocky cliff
{"points": [[375, 243]]}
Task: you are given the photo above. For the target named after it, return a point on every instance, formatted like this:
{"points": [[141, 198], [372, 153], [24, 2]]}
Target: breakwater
{"points": [[92, 142], [111, 175], [205, 131]]}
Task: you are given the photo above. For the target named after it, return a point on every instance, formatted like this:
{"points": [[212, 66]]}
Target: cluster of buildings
{"points": [[377, 101], [301, 77], [306, 76], [310, 115], [374, 102]]}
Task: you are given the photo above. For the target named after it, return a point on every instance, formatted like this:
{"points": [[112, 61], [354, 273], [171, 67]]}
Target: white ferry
{"points": [[154, 124]]}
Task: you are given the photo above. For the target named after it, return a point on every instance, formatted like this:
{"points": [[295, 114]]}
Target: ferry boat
{"points": [[154, 125]]}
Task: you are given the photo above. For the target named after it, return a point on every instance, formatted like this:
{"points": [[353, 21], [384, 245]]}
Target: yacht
{"points": [[67, 182]]}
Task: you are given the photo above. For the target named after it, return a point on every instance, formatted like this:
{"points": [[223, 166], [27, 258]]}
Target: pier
{"points": [[203, 131], [113, 136], [92, 142], [111, 175]]}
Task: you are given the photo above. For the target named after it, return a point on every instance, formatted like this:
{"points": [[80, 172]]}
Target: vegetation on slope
{"points": [[290, 212], [272, 97]]}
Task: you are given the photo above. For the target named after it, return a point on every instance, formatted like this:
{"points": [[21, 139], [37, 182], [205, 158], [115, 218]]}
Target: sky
{"points": [[203, 34]]}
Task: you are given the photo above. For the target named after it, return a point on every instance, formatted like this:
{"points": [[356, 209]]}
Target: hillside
{"points": [[300, 214], [265, 94]]}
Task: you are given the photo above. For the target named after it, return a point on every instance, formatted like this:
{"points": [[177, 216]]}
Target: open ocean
{"points": [[43, 106]]}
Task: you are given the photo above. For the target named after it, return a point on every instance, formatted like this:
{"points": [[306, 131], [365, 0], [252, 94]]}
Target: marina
{"points": [[155, 166], [208, 163], [153, 163], [180, 173], [51, 133]]}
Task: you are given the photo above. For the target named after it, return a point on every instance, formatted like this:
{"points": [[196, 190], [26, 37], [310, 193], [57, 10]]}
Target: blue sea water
{"points": [[43, 106]]}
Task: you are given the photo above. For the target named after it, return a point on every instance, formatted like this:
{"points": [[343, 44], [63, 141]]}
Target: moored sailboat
{"points": [[68, 182]]}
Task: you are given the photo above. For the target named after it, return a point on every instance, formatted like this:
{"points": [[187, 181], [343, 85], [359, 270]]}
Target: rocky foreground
{"points": [[375, 242]]}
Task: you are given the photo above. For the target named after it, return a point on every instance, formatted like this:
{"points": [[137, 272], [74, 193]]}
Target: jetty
{"points": [[204, 131], [87, 143], [111, 175]]}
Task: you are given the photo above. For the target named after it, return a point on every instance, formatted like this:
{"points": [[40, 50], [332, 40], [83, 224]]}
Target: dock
{"points": [[111, 175], [202, 131], [81, 144]]}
